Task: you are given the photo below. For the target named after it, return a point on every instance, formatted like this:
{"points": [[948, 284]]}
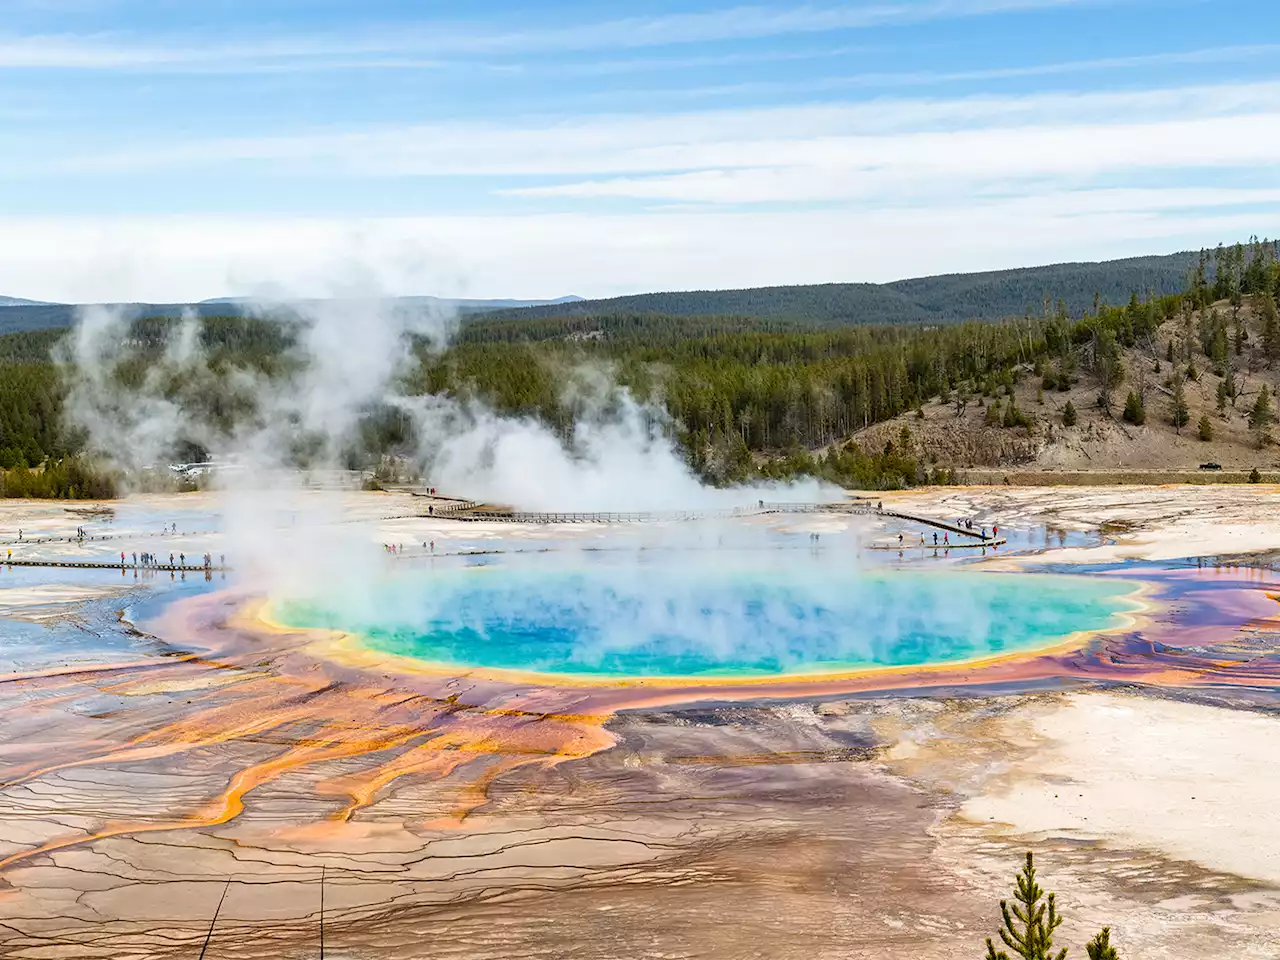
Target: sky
{"points": [[169, 151]]}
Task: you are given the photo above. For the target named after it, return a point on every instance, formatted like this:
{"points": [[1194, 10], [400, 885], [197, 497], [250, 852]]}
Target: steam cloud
{"points": [[347, 357]]}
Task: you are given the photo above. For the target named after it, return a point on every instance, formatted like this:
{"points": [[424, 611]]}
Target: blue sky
{"points": [[171, 150]]}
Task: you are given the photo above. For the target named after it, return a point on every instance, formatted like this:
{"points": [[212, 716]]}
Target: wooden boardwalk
{"points": [[117, 565], [762, 508], [105, 536]]}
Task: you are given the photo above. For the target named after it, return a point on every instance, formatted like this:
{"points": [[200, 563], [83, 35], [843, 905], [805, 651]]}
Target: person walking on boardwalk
{"points": [[946, 539], [935, 539], [171, 559], [135, 558], [122, 558], [182, 559]]}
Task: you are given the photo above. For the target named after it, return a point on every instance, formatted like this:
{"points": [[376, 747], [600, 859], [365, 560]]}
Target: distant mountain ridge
{"points": [[17, 315], [456, 303], [946, 298]]}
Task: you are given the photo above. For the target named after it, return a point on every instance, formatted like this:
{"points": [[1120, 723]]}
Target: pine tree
{"points": [[1270, 327], [1204, 429], [1029, 923], [1179, 414], [1261, 415], [1100, 948], [1133, 410], [1069, 416]]}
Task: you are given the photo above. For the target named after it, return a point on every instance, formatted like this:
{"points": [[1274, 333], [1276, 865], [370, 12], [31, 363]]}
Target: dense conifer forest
{"points": [[949, 298], [742, 396]]}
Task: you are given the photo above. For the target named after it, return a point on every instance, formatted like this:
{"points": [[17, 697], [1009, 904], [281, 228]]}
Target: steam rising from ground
{"points": [[346, 358], [674, 614]]}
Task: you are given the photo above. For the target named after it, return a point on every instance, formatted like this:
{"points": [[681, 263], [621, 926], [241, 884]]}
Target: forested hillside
{"points": [[949, 298], [943, 299], [745, 397], [18, 315]]}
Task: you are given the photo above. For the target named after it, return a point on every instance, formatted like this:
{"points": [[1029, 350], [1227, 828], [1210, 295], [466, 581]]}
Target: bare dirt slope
{"points": [[952, 435]]}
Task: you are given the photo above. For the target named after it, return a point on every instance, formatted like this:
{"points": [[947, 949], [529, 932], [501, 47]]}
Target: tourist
{"points": [[899, 539], [182, 559], [433, 546], [935, 539], [946, 539], [122, 558], [995, 531], [222, 559], [984, 533], [135, 558], [171, 559]]}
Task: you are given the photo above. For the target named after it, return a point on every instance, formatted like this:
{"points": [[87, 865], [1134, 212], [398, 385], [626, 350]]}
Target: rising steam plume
{"points": [[344, 358]]}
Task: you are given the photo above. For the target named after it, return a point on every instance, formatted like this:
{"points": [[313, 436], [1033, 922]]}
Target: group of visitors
{"points": [[946, 540], [982, 531], [147, 559], [397, 549]]}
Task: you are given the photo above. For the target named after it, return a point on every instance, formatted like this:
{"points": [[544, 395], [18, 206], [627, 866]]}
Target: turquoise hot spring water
{"points": [[673, 616]]}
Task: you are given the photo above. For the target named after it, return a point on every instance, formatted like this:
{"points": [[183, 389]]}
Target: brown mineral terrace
{"points": [[871, 814]]}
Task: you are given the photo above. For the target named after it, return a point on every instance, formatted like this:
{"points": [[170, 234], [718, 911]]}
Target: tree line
{"points": [[742, 397]]}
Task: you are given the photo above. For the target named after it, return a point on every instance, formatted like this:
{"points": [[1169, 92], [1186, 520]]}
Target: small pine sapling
{"points": [[1030, 922], [1100, 948]]}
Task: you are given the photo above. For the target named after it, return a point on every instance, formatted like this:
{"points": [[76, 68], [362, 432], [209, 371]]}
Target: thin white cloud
{"points": [[875, 80], [927, 167], [1052, 133], [185, 258], [115, 51]]}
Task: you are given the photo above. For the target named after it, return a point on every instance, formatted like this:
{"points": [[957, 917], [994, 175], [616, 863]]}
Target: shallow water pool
{"points": [[670, 616]]}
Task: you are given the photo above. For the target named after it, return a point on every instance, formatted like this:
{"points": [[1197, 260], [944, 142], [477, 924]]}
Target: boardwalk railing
{"points": [[650, 516], [762, 508], [116, 565]]}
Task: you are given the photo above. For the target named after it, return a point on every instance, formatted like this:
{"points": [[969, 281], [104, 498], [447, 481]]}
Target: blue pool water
{"points": [[669, 617]]}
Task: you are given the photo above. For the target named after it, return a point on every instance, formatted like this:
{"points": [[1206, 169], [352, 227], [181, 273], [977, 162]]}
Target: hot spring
{"points": [[666, 616]]}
